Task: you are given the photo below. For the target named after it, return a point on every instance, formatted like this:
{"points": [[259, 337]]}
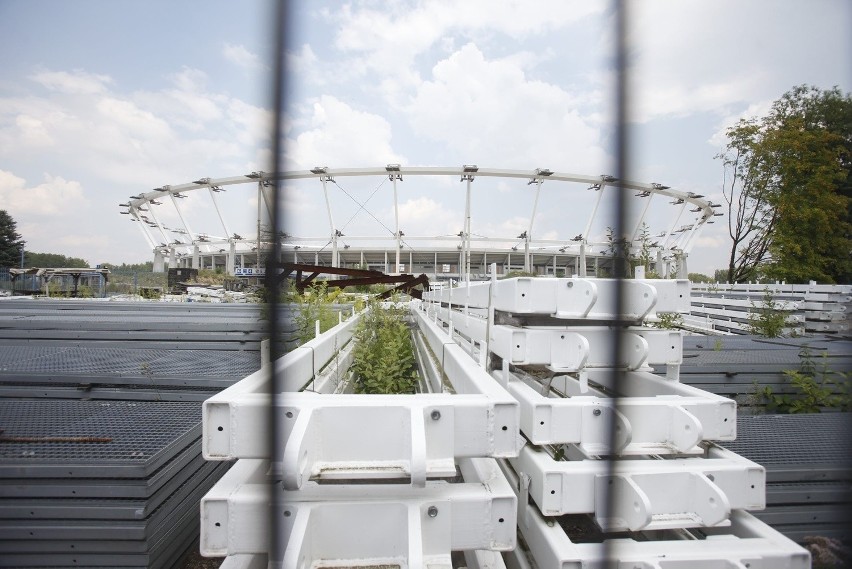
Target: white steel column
{"points": [[464, 269], [466, 257], [334, 259], [257, 247], [394, 175], [159, 261], [180, 215], [157, 222], [218, 211], [232, 257], [641, 219], [528, 234], [144, 229]]}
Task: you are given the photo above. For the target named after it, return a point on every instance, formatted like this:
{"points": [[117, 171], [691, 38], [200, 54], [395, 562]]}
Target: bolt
{"points": [[570, 284], [596, 412], [432, 511], [435, 416], [550, 523]]}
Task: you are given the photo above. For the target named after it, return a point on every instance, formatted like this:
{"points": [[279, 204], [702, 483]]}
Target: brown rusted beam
{"points": [[289, 267], [381, 279], [407, 287]]}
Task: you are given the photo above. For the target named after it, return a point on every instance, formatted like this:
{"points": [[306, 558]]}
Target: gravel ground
{"points": [[193, 560]]}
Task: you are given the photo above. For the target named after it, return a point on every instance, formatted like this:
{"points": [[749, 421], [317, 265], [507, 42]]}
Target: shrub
{"points": [[765, 320], [384, 354]]}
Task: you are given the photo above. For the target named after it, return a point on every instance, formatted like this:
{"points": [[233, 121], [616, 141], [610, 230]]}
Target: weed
{"points": [[765, 320], [384, 353], [668, 321], [817, 387], [315, 304]]}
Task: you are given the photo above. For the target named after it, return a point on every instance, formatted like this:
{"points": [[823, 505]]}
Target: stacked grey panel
{"points": [[100, 483], [132, 350], [100, 402], [808, 461], [739, 367]]}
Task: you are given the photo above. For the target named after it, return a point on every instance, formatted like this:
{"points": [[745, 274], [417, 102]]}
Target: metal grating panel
{"points": [[139, 362], [157, 486], [784, 440], [140, 436]]}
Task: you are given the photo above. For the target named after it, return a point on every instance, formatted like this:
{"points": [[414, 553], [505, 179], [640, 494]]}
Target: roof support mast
{"points": [[599, 187], [324, 177], [468, 171], [394, 175], [537, 180]]}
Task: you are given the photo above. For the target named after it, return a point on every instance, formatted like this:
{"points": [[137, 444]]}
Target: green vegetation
{"points": [[384, 353], [699, 278], [53, 261], [668, 321], [788, 188], [315, 304], [765, 320], [11, 242], [816, 387], [513, 274]]}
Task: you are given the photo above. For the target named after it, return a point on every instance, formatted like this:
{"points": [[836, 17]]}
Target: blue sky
{"points": [[101, 99]]}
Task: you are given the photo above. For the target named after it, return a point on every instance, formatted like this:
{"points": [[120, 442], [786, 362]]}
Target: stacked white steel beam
{"points": [[339, 482], [547, 342], [808, 308]]}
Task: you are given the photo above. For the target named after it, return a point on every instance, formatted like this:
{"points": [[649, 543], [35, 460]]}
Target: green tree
{"points": [[54, 261], [787, 186], [11, 242], [699, 278]]}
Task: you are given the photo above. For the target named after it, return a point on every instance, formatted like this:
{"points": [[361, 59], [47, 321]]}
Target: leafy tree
{"points": [[54, 261], [720, 275], [699, 278], [788, 186], [11, 242]]}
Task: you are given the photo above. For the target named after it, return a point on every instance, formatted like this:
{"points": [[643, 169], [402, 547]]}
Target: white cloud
{"points": [[390, 37], [55, 196], [75, 82], [32, 131], [693, 57], [341, 135], [489, 111], [239, 55], [425, 216]]}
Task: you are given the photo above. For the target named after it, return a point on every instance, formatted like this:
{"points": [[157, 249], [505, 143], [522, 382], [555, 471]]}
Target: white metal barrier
{"points": [[809, 308]]}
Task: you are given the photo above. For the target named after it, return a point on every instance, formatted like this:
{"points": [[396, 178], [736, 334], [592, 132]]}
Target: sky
{"points": [[103, 99]]}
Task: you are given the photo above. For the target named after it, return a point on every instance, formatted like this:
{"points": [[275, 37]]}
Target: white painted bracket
{"points": [[746, 544], [571, 298], [362, 524], [648, 494], [643, 501], [570, 349], [669, 418]]}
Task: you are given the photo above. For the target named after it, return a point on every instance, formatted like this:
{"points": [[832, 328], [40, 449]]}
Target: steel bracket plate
{"points": [[362, 523], [649, 494]]}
